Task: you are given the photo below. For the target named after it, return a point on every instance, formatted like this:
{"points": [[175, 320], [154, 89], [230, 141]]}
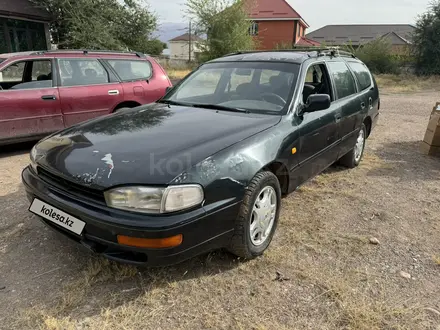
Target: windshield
{"points": [[259, 87], [2, 59]]}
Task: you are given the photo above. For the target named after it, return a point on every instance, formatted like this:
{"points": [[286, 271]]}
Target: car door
{"points": [[318, 130], [87, 90], [29, 100], [350, 102]]}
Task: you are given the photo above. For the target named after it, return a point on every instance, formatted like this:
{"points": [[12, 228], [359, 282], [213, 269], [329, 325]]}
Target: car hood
{"points": [[150, 144]]}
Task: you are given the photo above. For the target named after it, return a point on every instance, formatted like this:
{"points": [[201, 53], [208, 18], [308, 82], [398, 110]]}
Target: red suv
{"points": [[43, 92]]}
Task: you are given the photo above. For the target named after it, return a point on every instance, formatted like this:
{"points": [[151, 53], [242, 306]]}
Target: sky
{"points": [[318, 13]]}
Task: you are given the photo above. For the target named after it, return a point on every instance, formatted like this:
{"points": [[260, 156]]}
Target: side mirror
{"points": [[168, 89], [317, 102]]}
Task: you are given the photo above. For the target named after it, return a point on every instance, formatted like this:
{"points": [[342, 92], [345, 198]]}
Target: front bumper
{"points": [[203, 229]]}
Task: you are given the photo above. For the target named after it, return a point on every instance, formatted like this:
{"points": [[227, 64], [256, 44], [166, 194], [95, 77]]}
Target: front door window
{"points": [[27, 75], [13, 73], [317, 82]]}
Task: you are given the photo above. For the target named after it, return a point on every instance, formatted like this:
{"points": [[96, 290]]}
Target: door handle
{"points": [[363, 105], [49, 97], [113, 92], [338, 118]]}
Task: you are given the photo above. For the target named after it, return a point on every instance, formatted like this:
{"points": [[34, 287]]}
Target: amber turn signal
{"points": [[151, 243]]}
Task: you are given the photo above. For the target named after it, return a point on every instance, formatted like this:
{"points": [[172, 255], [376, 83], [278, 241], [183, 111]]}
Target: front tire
{"points": [[354, 157], [258, 217]]}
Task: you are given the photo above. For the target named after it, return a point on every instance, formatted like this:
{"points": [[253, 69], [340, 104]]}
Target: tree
{"points": [[426, 41], [156, 47], [101, 24], [224, 22]]}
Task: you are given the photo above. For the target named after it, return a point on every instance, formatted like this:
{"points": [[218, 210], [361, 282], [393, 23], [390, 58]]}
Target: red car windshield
{"points": [[2, 59]]}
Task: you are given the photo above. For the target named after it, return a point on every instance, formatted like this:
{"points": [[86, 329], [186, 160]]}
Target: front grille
{"points": [[70, 187]]}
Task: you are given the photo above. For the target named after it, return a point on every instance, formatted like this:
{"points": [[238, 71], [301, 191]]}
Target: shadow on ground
{"points": [[16, 149], [405, 161]]}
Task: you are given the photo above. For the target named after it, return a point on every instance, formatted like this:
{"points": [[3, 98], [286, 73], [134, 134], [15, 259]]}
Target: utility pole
{"points": [[190, 40]]}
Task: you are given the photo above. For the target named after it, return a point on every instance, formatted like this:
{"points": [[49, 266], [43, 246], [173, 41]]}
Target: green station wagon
{"points": [[205, 166]]}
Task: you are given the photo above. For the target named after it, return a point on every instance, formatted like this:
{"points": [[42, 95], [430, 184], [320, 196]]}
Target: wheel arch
{"points": [[126, 104], [281, 171], [368, 122]]}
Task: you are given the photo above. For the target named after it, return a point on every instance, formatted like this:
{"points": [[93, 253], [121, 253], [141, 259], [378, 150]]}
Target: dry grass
{"points": [[407, 83], [74, 293], [330, 283], [178, 73]]}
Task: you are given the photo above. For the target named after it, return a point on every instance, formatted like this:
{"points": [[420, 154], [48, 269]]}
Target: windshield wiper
{"points": [[170, 102], [203, 105], [219, 107]]}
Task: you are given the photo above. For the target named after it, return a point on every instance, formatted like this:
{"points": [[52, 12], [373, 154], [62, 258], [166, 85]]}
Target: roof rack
{"points": [[328, 51], [87, 51]]}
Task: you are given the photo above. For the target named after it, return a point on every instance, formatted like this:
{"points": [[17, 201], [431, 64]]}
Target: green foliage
{"points": [[155, 47], [225, 24], [102, 24], [377, 55], [426, 41]]}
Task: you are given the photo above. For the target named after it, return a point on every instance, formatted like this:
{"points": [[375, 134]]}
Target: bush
{"points": [[283, 46], [377, 55], [426, 41]]}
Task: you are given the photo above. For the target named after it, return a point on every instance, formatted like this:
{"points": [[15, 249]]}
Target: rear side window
{"points": [[131, 70], [344, 80], [362, 74], [75, 72]]}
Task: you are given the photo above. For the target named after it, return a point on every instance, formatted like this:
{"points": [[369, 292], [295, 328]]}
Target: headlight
{"points": [[155, 200]]}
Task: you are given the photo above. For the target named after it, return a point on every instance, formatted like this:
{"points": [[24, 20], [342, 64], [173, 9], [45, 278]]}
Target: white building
{"points": [[179, 47]]}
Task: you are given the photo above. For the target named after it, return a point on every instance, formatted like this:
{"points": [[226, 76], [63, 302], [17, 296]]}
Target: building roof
{"points": [[185, 37], [303, 41], [23, 9], [399, 34], [271, 9]]}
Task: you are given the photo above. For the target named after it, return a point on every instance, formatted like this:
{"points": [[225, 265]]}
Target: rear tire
{"points": [[258, 217], [354, 157]]}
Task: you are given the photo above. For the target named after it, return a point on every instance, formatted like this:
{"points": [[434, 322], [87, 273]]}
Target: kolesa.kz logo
{"points": [[51, 213]]}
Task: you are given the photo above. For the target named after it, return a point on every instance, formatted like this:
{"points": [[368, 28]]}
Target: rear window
{"points": [[362, 74], [131, 70]]}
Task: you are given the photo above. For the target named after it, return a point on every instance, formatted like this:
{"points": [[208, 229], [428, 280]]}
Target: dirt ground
{"points": [[321, 272]]}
